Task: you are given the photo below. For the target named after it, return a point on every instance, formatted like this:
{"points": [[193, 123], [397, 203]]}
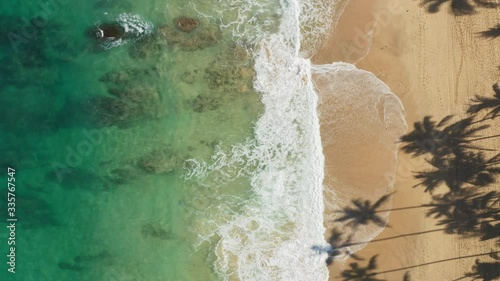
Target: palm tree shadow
{"points": [[486, 271], [467, 213], [467, 169], [338, 247], [458, 7], [480, 103], [364, 212], [442, 139], [355, 272], [491, 33]]}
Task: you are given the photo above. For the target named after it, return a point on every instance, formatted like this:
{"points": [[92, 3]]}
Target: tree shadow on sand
{"points": [[486, 271], [491, 33], [437, 262], [458, 7], [468, 169], [338, 247], [355, 272], [363, 212], [480, 103], [467, 213], [441, 139], [465, 7]]}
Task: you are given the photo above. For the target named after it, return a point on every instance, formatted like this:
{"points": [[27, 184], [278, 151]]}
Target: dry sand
{"points": [[434, 63]]}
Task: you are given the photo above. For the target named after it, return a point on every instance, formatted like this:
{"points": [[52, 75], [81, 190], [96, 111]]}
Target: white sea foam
{"points": [[271, 236]]}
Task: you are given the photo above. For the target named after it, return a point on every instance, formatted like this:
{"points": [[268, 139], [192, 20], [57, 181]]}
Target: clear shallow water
{"points": [[169, 155], [94, 203]]}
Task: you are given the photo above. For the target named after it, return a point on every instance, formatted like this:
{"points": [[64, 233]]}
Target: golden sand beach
{"points": [[435, 63]]}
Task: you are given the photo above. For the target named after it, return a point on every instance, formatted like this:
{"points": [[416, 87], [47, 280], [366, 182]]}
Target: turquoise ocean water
{"points": [[169, 155], [98, 136]]}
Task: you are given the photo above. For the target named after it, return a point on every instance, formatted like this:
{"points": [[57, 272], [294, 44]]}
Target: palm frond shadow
{"points": [[491, 33], [355, 272], [467, 213], [458, 7], [486, 271], [364, 212], [442, 139], [480, 103], [437, 262], [338, 247], [468, 169]]}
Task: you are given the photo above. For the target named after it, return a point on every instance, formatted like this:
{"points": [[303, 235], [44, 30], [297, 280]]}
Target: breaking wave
{"points": [[271, 235]]}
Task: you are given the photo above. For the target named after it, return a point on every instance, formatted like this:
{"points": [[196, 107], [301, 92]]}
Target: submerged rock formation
{"points": [[188, 34], [107, 111], [128, 75], [160, 161], [185, 24], [82, 262], [132, 99], [200, 39], [146, 99], [234, 76], [206, 102], [121, 176], [138, 94], [149, 230]]}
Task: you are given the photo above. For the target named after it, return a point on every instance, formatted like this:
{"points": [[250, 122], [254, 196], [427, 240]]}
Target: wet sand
{"points": [[434, 63]]}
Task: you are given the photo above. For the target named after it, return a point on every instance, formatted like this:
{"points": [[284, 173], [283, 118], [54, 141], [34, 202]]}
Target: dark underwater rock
{"points": [[105, 111], [160, 161], [185, 24], [202, 37], [188, 35], [235, 75], [206, 102], [121, 176], [103, 255], [150, 46], [189, 77], [129, 75], [145, 98], [149, 230], [134, 98], [139, 94], [108, 32]]}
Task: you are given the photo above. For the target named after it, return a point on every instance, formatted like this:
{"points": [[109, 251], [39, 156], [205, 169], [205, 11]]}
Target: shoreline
{"points": [[430, 63]]}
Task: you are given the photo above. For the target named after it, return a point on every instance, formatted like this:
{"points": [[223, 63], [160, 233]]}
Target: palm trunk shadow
{"points": [[404, 208], [394, 237], [434, 262]]}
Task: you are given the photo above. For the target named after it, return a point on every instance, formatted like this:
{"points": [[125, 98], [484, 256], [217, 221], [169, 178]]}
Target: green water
{"points": [[101, 195]]}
